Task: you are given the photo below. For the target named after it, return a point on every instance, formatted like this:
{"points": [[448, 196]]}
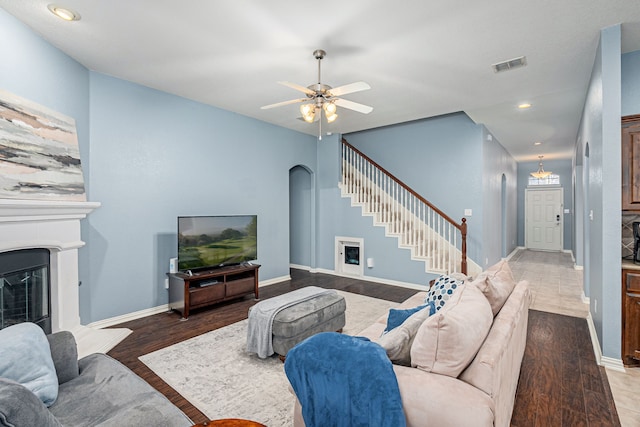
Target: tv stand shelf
{"points": [[208, 287]]}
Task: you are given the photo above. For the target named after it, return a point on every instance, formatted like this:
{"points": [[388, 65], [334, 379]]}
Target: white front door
{"points": [[544, 219]]}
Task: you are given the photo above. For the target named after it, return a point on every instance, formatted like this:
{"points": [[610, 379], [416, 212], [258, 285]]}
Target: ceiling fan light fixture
{"points": [[540, 173], [331, 117], [329, 108], [308, 112]]}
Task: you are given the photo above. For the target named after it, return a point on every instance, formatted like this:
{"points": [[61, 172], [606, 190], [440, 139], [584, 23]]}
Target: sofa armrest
{"points": [[440, 400], [64, 352]]}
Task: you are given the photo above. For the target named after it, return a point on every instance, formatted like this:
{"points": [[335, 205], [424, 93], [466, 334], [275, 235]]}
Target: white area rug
{"points": [[215, 373]]}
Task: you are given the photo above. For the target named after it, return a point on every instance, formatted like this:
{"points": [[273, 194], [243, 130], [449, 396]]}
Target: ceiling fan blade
{"points": [[280, 104], [295, 86], [350, 88], [361, 108]]}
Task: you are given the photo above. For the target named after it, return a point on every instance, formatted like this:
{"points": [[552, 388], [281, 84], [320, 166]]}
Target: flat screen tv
{"points": [[216, 241]]}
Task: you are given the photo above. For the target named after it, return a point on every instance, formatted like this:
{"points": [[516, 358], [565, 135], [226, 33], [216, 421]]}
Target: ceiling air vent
{"points": [[510, 64]]}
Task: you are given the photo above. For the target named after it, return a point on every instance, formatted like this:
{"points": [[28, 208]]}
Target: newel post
{"points": [[463, 232]]}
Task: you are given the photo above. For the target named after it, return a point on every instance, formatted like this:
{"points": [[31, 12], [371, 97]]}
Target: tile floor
{"points": [[557, 288]]}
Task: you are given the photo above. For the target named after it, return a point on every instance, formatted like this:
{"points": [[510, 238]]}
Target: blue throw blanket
{"points": [[347, 381]]}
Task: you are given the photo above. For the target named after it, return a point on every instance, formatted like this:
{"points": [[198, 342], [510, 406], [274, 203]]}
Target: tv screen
{"points": [[216, 241]]}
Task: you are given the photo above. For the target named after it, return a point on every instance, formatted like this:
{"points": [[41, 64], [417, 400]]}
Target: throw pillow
{"points": [[397, 343], [397, 316], [449, 340], [25, 357], [442, 290], [496, 283]]}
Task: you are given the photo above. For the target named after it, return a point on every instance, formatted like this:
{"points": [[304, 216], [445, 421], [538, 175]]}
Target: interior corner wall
{"points": [[600, 131], [33, 69], [564, 169], [497, 162]]}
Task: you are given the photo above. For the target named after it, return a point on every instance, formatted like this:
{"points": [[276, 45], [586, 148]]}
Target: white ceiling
{"points": [[422, 58]]}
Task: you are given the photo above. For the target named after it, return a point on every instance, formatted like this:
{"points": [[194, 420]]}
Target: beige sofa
{"points": [[465, 359]]}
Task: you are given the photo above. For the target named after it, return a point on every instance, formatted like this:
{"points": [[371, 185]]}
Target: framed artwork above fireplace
{"points": [[40, 158]]}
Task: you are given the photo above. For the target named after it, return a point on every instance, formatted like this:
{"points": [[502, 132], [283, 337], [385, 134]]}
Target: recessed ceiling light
{"points": [[537, 143], [64, 13], [524, 106]]}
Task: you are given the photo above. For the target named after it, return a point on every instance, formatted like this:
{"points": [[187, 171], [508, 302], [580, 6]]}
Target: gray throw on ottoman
{"points": [[277, 324], [324, 313]]}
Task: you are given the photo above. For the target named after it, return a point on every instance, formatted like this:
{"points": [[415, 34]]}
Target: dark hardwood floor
{"points": [[560, 383]]}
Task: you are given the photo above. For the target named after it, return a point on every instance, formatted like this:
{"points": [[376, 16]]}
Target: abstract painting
{"points": [[39, 154]]}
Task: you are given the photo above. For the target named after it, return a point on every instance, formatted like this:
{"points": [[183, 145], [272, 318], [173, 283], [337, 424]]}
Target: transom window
{"points": [[553, 179]]}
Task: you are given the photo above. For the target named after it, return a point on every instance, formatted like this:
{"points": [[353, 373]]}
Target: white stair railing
{"points": [[419, 226]]}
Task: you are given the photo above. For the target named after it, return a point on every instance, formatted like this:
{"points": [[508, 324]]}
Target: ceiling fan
{"points": [[323, 97]]}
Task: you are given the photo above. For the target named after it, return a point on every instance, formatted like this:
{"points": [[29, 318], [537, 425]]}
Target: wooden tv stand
{"points": [[208, 287]]}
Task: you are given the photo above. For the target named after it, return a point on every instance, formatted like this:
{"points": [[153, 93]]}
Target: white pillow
{"points": [[397, 342], [449, 340], [25, 357]]}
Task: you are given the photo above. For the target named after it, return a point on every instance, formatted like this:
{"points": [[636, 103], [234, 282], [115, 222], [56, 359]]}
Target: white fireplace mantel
{"points": [[55, 225], [14, 210]]}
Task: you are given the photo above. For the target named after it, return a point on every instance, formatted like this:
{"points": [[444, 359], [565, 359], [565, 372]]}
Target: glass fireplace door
{"points": [[24, 293]]}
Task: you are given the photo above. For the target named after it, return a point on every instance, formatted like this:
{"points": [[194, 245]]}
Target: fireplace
{"points": [[24, 288], [348, 258], [54, 226]]}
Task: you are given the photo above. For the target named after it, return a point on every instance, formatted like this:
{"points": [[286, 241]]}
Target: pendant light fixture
{"points": [[540, 173]]}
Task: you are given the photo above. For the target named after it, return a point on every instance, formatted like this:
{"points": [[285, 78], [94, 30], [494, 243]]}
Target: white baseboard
{"points": [[607, 362], [130, 316], [594, 339], [100, 324], [374, 279], [611, 363], [585, 299], [300, 267], [274, 280], [513, 252]]}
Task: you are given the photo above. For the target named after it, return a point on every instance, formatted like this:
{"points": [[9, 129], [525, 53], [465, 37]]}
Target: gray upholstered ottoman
{"points": [[323, 313]]}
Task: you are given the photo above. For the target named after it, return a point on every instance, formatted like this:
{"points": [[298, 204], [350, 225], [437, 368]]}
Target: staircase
{"points": [[427, 232]]}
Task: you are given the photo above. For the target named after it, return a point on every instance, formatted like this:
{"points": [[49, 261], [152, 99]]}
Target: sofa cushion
{"points": [[397, 342], [447, 341], [25, 357], [442, 290], [496, 283], [108, 394], [19, 407]]}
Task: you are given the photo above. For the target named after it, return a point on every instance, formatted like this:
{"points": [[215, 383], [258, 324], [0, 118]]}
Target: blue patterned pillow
{"points": [[442, 290]]}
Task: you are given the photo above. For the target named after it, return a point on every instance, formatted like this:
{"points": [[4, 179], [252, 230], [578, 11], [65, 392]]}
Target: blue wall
{"points": [[562, 168], [631, 83], [601, 169], [156, 156], [499, 216], [148, 157]]}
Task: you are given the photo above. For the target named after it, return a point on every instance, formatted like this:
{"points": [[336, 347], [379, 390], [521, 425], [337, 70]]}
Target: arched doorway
{"points": [[301, 218]]}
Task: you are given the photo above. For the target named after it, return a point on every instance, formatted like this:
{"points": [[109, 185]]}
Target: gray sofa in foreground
{"points": [[96, 390]]}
